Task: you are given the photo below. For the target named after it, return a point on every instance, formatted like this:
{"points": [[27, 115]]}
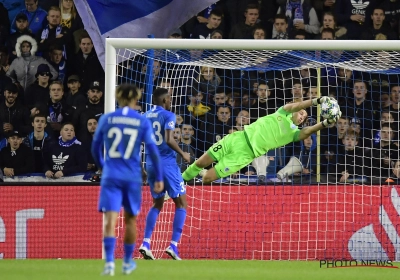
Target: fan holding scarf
{"points": [[54, 34], [300, 16]]}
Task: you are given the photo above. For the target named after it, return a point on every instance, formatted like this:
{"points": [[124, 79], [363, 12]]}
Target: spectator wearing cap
{"points": [[65, 156], [16, 159], [217, 34], [58, 61], [204, 30], [94, 108], [75, 97], [22, 28], [175, 34], [36, 16], [356, 125], [38, 92], [54, 34], [86, 64], [38, 141], [13, 115], [58, 111], [23, 69]]}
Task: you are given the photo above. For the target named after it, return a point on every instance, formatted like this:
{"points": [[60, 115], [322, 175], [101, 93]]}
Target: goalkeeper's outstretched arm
{"points": [[307, 131], [295, 107]]}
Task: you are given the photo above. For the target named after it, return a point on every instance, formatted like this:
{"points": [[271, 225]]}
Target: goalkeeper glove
{"points": [[327, 122], [320, 100]]}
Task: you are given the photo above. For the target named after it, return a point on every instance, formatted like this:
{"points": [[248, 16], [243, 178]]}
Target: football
{"points": [[330, 109]]}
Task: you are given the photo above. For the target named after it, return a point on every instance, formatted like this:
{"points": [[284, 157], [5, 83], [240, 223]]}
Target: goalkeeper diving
{"points": [[237, 150]]}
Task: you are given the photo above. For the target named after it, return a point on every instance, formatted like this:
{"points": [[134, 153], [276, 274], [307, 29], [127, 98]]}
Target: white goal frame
{"points": [[112, 44]]}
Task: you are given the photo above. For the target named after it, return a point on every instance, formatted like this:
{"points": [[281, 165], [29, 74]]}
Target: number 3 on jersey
{"points": [[115, 131], [157, 133]]}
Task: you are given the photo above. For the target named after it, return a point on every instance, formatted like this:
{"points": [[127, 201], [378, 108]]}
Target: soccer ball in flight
{"points": [[330, 109]]}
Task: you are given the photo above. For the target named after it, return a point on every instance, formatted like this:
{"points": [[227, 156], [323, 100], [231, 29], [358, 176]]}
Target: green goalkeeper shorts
{"points": [[232, 153]]}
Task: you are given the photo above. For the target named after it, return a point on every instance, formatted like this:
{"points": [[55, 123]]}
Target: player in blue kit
{"points": [[122, 132], [163, 123]]}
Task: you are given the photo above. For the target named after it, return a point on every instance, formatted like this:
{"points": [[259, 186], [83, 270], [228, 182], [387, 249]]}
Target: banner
{"points": [[223, 222], [134, 19], [50, 222]]}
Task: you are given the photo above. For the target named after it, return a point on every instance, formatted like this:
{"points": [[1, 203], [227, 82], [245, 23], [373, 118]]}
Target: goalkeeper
{"points": [[237, 150]]}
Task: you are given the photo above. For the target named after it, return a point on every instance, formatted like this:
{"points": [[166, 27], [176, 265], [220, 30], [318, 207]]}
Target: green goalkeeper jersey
{"points": [[272, 131]]}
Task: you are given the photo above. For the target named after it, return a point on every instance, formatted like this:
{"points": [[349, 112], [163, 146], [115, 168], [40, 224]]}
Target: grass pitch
{"points": [[207, 269]]}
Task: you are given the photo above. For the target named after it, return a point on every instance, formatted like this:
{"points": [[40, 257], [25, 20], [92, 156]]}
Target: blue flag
{"points": [[134, 19]]}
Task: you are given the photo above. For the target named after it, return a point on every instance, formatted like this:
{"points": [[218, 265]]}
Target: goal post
{"points": [[335, 215]]}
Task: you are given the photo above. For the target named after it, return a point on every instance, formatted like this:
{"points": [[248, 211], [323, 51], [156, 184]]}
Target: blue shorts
{"points": [[117, 193], [173, 182]]}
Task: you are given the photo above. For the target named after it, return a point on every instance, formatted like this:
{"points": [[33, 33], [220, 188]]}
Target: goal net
{"points": [[341, 202]]}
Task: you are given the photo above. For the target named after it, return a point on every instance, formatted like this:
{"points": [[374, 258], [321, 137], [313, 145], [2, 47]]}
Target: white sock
{"points": [[146, 240], [174, 243], [260, 164]]}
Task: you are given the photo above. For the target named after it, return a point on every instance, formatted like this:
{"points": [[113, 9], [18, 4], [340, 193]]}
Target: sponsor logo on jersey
{"points": [[171, 124]]}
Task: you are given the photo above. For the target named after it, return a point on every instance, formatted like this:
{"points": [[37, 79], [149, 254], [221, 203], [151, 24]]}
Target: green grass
{"points": [[171, 270]]}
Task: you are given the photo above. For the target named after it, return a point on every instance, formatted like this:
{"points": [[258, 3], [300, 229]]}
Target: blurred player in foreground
{"points": [[122, 132], [163, 122], [237, 150]]}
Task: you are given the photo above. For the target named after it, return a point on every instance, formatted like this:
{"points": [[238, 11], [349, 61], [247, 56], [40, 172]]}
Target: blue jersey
{"points": [[162, 120], [122, 133]]}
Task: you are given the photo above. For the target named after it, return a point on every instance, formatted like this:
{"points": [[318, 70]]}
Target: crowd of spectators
{"points": [[297, 19], [52, 86]]}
